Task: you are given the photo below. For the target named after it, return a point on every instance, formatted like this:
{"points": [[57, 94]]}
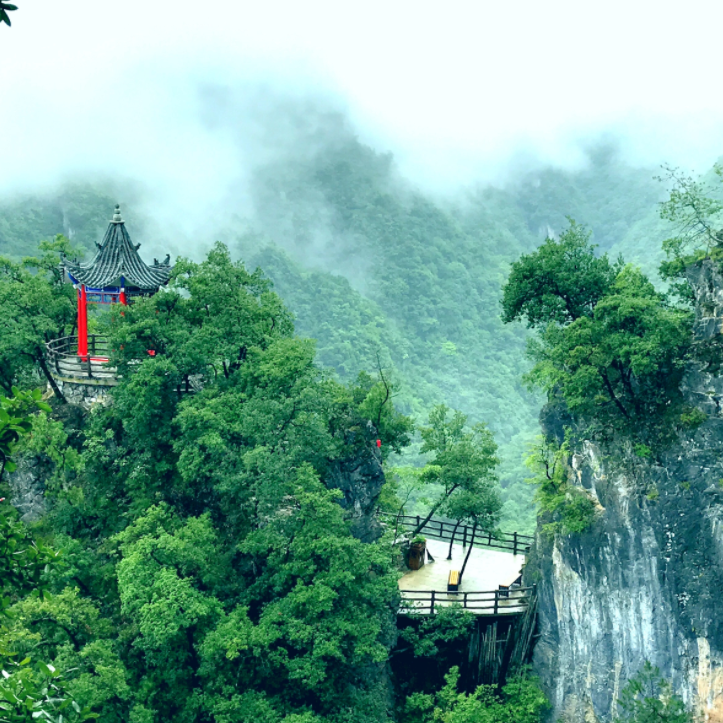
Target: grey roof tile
{"points": [[118, 257]]}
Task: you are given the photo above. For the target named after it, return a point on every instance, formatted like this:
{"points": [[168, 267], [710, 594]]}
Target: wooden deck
{"points": [[484, 589]]}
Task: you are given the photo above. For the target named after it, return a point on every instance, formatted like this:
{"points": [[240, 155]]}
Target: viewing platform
{"points": [[492, 581], [505, 613], [68, 366]]}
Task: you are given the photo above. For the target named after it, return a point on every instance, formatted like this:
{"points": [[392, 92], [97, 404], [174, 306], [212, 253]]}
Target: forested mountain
{"points": [[380, 273]]}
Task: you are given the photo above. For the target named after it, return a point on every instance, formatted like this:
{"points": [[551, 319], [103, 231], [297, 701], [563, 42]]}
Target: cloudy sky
{"points": [[455, 89]]}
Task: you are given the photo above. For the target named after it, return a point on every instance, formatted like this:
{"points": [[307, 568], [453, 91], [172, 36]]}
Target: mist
{"points": [[186, 106]]}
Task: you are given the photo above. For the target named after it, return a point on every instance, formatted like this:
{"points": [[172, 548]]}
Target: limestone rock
{"points": [[645, 582]]}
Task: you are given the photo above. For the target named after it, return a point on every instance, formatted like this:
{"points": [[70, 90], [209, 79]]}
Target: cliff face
{"points": [[645, 582], [360, 478]]}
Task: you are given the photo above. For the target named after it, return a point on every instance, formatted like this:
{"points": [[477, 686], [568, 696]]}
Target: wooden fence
{"points": [[505, 601], [514, 542]]}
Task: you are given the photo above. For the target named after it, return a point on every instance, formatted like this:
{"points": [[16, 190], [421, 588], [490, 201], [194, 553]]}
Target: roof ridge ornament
{"points": [[117, 215]]}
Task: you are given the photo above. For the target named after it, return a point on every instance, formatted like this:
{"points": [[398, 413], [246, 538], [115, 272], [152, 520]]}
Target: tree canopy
{"points": [[614, 351]]}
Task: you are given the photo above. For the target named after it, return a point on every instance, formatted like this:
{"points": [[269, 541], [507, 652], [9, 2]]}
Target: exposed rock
{"points": [[360, 478], [27, 482], [27, 488], [85, 395], [646, 581]]}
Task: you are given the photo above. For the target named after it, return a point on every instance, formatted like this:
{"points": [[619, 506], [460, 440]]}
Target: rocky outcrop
{"points": [[27, 489], [360, 478], [645, 582], [27, 482]]}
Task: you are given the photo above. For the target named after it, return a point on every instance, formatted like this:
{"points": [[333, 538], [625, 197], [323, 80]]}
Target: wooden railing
{"points": [[508, 601], [63, 356], [514, 542]]}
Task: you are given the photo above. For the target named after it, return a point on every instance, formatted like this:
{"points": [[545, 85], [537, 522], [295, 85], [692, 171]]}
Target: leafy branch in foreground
{"points": [[36, 693], [6, 8]]}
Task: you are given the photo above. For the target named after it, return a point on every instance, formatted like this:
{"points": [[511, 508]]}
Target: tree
{"points": [[649, 698], [207, 526], [615, 360], [463, 465], [560, 282], [563, 507], [29, 690], [520, 700], [697, 216], [36, 306]]}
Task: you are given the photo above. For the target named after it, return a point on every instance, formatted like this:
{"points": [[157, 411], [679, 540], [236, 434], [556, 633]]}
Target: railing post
{"points": [[431, 609], [464, 538], [497, 600], [515, 543], [419, 520], [465, 601]]}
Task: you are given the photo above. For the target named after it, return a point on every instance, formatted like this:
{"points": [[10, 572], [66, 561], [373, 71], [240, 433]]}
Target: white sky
{"points": [[453, 88]]}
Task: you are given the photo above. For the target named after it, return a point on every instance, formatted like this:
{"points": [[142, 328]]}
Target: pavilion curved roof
{"points": [[117, 257]]}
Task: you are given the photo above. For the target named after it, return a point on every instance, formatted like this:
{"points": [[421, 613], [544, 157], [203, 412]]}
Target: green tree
{"points": [[30, 690], [649, 698], [563, 507], [463, 468], [616, 360], [520, 700], [697, 217], [207, 527], [562, 281], [36, 306]]}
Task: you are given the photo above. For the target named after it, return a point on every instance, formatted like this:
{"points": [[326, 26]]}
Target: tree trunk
{"points": [[469, 552], [423, 523], [56, 390], [451, 542]]}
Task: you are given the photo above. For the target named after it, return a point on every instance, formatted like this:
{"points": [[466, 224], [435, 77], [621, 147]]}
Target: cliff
{"points": [[645, 582]]}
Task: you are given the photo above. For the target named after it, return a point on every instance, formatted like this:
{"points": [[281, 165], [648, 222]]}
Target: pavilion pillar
{"points": [[122, 296], [82, 323]]}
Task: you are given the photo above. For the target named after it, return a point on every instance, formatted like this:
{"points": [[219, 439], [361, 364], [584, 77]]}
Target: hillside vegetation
{"points": [[381, 274]]}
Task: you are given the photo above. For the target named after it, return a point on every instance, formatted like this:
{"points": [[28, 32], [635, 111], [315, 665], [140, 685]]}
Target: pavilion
{"points": [[115, 275]]}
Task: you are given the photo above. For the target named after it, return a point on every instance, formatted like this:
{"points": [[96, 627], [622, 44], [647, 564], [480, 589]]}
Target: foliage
{"points": [[697, 217], [448, 624], [16, 422], [649, 698], [463, 467], [28, 690], [521, 700], [560, 282], [23, 560], [5, 8], [616, 356], [35, 308], [569, 508], [210, 571], [36, 693]]}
